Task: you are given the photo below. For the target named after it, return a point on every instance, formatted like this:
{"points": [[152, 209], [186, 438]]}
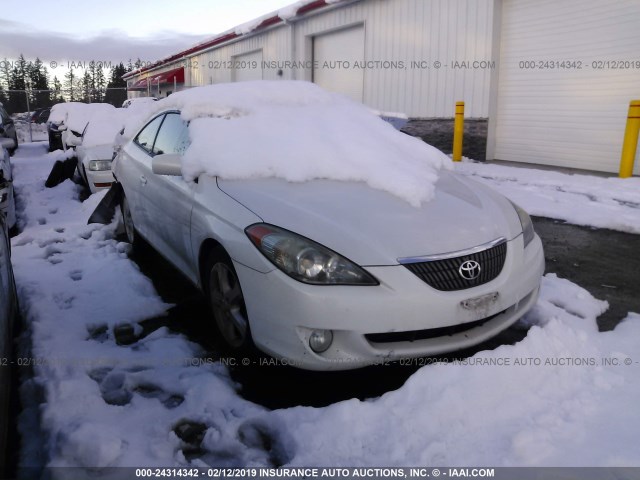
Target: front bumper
{"points": [[283, 312]]}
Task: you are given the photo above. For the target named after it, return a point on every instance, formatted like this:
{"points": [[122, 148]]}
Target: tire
{"points": [[224, 294], [131, 234], [13, 150]]}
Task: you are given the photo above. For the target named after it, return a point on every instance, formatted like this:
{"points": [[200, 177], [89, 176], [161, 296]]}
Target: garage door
{"points": [[334, 56], [567, 73], [247, 66]]}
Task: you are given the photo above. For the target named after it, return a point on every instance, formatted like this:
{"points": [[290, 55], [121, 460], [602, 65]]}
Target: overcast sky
{"points": [[117, 30]]}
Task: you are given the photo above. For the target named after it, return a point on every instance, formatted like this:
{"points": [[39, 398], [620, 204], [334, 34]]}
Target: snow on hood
{"points": [[103, 127], [299, 132]]}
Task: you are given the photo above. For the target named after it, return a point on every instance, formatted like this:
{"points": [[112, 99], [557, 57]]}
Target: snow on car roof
{"points": [[299, 132]]}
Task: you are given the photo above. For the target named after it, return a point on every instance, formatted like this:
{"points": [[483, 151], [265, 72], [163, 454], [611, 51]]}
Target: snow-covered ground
{"points": [[565, 395], [612, 203]]}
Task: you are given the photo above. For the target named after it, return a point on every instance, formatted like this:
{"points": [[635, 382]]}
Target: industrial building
{"points": [[546, 82]]}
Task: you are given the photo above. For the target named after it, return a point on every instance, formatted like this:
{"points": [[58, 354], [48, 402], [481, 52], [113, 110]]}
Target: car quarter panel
{"points": [[216, 216]]}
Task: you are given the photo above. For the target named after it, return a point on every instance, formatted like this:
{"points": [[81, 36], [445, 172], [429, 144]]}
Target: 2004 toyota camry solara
{"points": [[319, 232]]}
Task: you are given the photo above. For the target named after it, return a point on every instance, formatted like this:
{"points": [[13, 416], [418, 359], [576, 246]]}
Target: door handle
{"points": [[143, 180]]}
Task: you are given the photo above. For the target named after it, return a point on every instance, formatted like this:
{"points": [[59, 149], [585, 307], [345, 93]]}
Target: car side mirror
{"points": [[167, 164], [7, 143], [73, 141]]}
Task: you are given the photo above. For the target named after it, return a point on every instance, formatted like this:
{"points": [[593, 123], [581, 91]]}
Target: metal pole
{"points": [[630, 142], [458, 131], [26, 94]]}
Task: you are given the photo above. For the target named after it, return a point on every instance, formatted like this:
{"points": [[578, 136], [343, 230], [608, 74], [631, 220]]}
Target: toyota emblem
{"points": [[469, 270]]}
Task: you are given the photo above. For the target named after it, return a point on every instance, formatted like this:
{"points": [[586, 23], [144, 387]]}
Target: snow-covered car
{"points": [[67, 122], [138, 100], [8, 315], [319, 232], [7, 198], [95, 148], [8, 129]]}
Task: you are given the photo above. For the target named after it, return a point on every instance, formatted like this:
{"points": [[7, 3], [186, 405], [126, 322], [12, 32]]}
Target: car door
{"points": [[134, 169], [169, 199]]}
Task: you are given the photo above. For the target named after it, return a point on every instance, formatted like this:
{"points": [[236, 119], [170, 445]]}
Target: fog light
{"points": [[320, 340]]}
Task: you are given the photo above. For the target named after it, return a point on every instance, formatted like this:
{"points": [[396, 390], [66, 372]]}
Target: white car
{"points": [[95, 147], [324, 266], [7, 198]]}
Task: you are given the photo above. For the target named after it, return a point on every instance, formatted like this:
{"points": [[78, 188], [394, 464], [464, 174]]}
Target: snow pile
{"points": [[106, 405], [290, 11], [286, 13], [612, 203], [299, 132], [564, 396], [26, 131]]}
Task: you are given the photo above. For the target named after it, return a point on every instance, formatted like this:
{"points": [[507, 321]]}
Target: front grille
{"points": [[412, 336], [444, 274]]}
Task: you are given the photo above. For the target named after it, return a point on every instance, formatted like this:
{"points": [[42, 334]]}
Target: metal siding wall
{"points": [[573, 118], [395, 30], [406, 30], [274, 43]]}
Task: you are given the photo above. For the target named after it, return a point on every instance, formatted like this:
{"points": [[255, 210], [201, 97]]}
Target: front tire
{"points": [[226, 300], [13, 150], [131, 234]]}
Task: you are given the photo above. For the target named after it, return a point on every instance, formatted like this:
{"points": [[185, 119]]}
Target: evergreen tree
{"points": [[90, 81], [39, 82], [100, 84], [87, 89], [116, 88], [5, 72], [18, 78], [57, 92], [70, 86]]}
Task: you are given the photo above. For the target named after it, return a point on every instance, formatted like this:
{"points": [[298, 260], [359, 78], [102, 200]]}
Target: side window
{"points": [[147, 136], [173, 136], [4, 116]]}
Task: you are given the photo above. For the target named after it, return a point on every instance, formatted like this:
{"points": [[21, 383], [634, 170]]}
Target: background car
{"points": [[41, 115], [7, 199], [8, 317], [307, 222], [95, 149], [8, 129], [138, 100], [70, 119]]}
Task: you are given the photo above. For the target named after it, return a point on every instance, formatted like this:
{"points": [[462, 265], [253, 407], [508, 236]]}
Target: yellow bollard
{"points": [[458, 131], [630, 143]]}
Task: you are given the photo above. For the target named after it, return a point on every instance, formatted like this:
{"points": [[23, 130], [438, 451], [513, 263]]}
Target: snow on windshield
{"points": [[299, 132]]}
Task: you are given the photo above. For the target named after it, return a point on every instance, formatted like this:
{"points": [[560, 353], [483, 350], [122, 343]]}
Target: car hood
{"points": [[372, 227], [98, 152]]}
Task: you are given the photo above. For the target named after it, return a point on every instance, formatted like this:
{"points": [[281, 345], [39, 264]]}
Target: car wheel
{"points": [[13, 150], [129, 228], [227, 301]]}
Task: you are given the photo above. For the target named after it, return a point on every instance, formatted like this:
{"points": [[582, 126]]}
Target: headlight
{"points": [[305, 260], [527, 225], [99, 165]]}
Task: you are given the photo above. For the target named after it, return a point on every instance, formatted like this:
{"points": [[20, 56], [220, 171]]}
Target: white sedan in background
{"points": [[96, 146], [321, 234]]}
